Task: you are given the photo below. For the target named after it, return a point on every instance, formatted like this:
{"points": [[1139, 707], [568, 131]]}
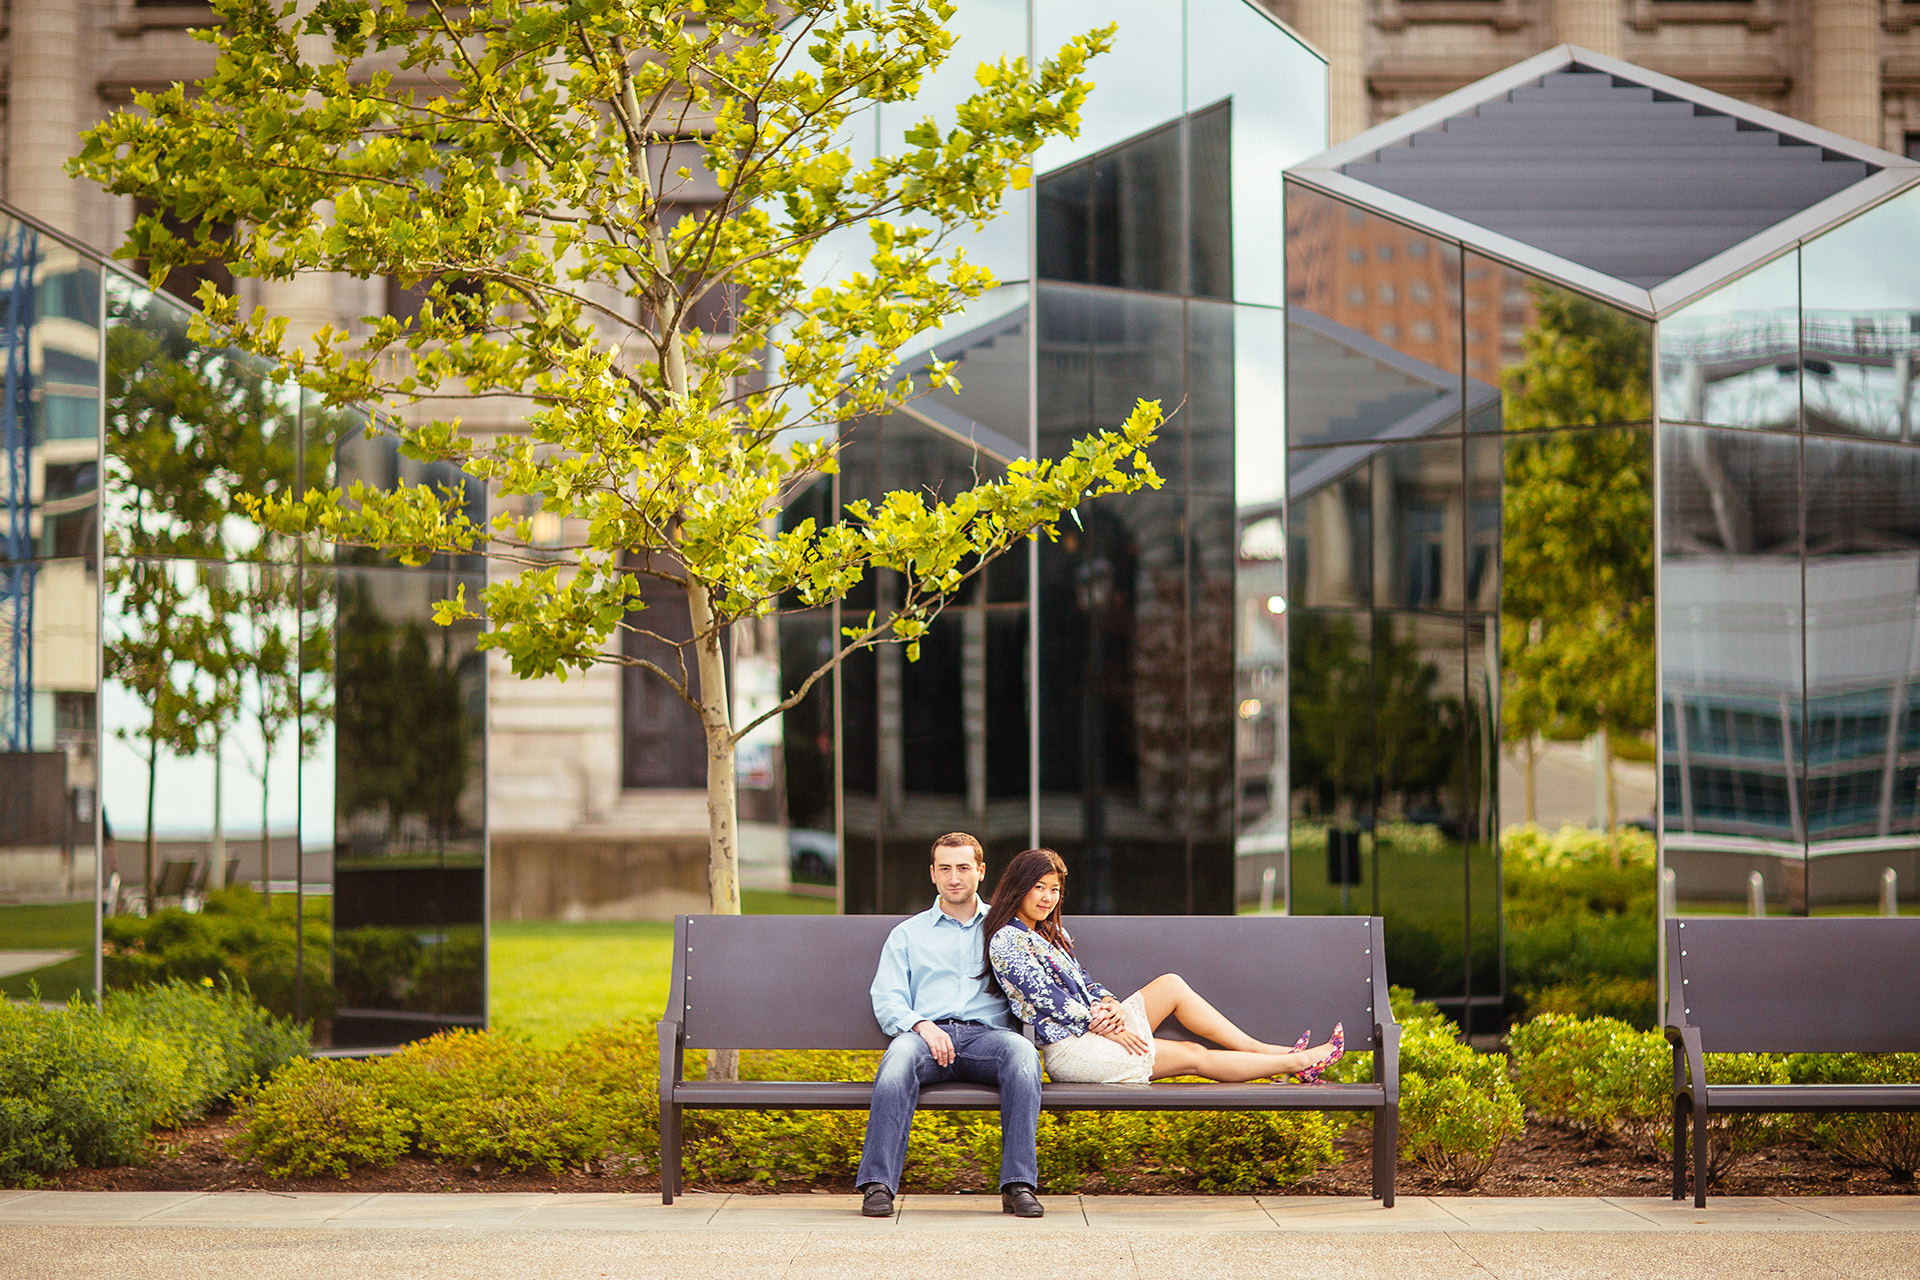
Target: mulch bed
{"points": [[1543, 1162]]}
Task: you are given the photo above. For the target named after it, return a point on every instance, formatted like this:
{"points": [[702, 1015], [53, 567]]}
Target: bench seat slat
{"points": [[833, 1095], [1813, 1097]]}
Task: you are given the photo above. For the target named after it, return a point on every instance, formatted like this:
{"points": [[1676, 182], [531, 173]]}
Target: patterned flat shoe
{"points": [[1312, 1074]]}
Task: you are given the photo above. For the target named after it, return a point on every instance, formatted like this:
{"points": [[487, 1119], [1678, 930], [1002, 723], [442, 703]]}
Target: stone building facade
{"points": [[1852, 66]]}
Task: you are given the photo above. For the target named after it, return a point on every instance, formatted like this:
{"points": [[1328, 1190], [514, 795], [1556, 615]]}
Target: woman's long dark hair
{"points": [[1022, 874]]}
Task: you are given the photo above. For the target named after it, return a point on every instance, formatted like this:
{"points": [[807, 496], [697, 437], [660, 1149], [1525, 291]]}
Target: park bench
{"points": [[802, 982], [1828, 985]]}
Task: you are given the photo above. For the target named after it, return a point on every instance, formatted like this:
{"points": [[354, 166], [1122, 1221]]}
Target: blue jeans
{"points": [[981, 1055]]}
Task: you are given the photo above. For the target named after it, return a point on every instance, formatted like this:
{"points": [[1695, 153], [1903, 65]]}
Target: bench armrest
{"points": [[1689, 1063], [1386, 1059], [672, 1058]]}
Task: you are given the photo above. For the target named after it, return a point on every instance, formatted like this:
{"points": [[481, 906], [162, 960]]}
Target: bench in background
{"points": [[1825, 985]]}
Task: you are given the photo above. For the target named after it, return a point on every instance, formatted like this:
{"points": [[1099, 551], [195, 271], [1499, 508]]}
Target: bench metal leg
{"points": [[1699, 1158], [1386, 1153], [669, 1153], [1680, 1114]]}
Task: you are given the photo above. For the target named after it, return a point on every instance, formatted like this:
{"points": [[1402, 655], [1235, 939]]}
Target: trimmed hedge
{"points": [[85, 1086], [236, 938]]}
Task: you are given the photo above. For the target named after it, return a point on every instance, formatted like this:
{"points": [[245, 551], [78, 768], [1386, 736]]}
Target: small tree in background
{"points": [[1576, 636], [523, 165]]}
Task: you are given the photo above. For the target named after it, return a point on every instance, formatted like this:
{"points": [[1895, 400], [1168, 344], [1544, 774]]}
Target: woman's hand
{"points": [[1106, 1017], [1129, 1041]]}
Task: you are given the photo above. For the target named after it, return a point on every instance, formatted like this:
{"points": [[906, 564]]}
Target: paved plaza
{"points": [[346, 1236]]}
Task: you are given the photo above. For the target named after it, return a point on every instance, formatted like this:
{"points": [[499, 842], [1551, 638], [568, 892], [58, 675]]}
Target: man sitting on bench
{"points": [[931, 996]]}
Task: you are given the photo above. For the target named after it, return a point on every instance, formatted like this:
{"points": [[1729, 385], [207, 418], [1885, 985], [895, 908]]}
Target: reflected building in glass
{"points": [[198, 714], [1084, 696], [1599, 425]]}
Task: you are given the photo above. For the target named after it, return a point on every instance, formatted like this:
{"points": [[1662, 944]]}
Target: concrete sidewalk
{"points": [[346, 1236]]}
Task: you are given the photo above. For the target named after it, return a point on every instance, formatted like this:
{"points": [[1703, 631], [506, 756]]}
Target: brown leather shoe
{"points": [[1017, 1198], [876, 1201]]}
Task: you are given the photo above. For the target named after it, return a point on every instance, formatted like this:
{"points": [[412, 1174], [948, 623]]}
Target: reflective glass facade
{"points": [[1533, 508], [1082, 696], [1789, 654], [200, 716]]}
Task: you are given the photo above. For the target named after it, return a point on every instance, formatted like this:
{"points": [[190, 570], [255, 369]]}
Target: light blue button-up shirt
{"points": [[930, 972]]}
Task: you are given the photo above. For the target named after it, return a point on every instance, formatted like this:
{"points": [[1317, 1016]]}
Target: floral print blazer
{"points": [[1046, 986]]}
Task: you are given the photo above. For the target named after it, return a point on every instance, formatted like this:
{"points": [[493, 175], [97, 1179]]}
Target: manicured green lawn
{"points": [[551, 980]]}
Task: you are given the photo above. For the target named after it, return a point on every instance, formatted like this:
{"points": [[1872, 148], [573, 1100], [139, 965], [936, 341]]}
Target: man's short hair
{"points": [[957, 840]]}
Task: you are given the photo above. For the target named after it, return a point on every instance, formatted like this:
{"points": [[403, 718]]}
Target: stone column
{"points": [[1844, 67], [1337, 28], [1591, 24], [43, 118]]}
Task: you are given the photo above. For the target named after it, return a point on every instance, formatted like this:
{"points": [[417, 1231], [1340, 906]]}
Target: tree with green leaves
{"points": [[529, 165], [1576, 602]]}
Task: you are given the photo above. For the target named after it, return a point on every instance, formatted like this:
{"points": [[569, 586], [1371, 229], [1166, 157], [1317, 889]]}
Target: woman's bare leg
{"points": [[1184, 1058], [1169, 996]]}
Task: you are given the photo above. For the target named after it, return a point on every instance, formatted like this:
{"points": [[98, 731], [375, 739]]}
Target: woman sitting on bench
{"points": [[1087, 1036]]}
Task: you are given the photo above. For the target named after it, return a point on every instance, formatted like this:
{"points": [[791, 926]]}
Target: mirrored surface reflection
{"points": [[410, 803], [191, 430], [49, 411], [1560, 358], [1732, 720], [1732, 359], [1479, 791], [1379, 303], [1419, 552], [49, 776], [1330, 739], [1863, 674], [1133, 91], [938, 744], [1860, 329]]}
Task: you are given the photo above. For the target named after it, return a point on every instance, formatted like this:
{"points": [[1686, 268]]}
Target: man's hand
{"points": [[937, 1040]]}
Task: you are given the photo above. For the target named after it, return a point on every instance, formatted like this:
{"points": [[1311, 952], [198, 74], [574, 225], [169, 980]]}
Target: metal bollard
{"points": [[1756, 894], [1669, 893], [1267, 880], [1889, 892]]}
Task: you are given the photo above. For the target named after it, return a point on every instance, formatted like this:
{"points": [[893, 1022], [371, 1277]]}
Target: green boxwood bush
{"points": [[1886, 1140], [1456, 1106], [1612, 1082], [470, 1097], [1580, 932], [85, 1085]]}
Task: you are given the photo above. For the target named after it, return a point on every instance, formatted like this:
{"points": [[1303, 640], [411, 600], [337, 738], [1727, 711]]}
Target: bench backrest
{"points": [[802, 982], [1797, 985]]}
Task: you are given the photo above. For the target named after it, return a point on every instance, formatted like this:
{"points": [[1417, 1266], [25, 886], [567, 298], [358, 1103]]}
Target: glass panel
{"points": [[1560, 358], [363, 452], [1732, 359], [1278, 91], [1212, 399], [1260, 635], [1138, 352], [804, 765], [190, 429], [1208, 759], [1113, 603], [1577, 625], [49, 402], [1260, 406], [1133, 91], [1863, 672], [1731, 670], [1861, 325], [1485, 473], [1419, 553], [1480, 806], [1374, 348], [1330, 763], [409, 714], [1420, 740], [1330, 528], [993, 382], [49, 777], [1210, 203]]}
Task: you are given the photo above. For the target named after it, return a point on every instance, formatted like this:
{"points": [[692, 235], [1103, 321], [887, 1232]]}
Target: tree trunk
{"points": [[266, 836], [217, 868], [1530, 774], [153, 778], [723, 822]]}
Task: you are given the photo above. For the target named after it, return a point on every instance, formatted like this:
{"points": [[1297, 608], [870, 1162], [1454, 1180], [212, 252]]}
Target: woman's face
{"points": [[1041, 899]]}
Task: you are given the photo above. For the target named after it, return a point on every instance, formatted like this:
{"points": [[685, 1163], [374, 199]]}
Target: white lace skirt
{"points": [[1091, 1059]]}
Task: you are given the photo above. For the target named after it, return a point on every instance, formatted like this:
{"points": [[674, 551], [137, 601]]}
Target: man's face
{"points": [[956, 874]]}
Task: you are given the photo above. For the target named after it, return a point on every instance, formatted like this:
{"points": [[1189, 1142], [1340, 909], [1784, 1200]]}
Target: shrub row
{"points": [[477, 1098], [1611, 1082], [236, 937], [86, 1085]]}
